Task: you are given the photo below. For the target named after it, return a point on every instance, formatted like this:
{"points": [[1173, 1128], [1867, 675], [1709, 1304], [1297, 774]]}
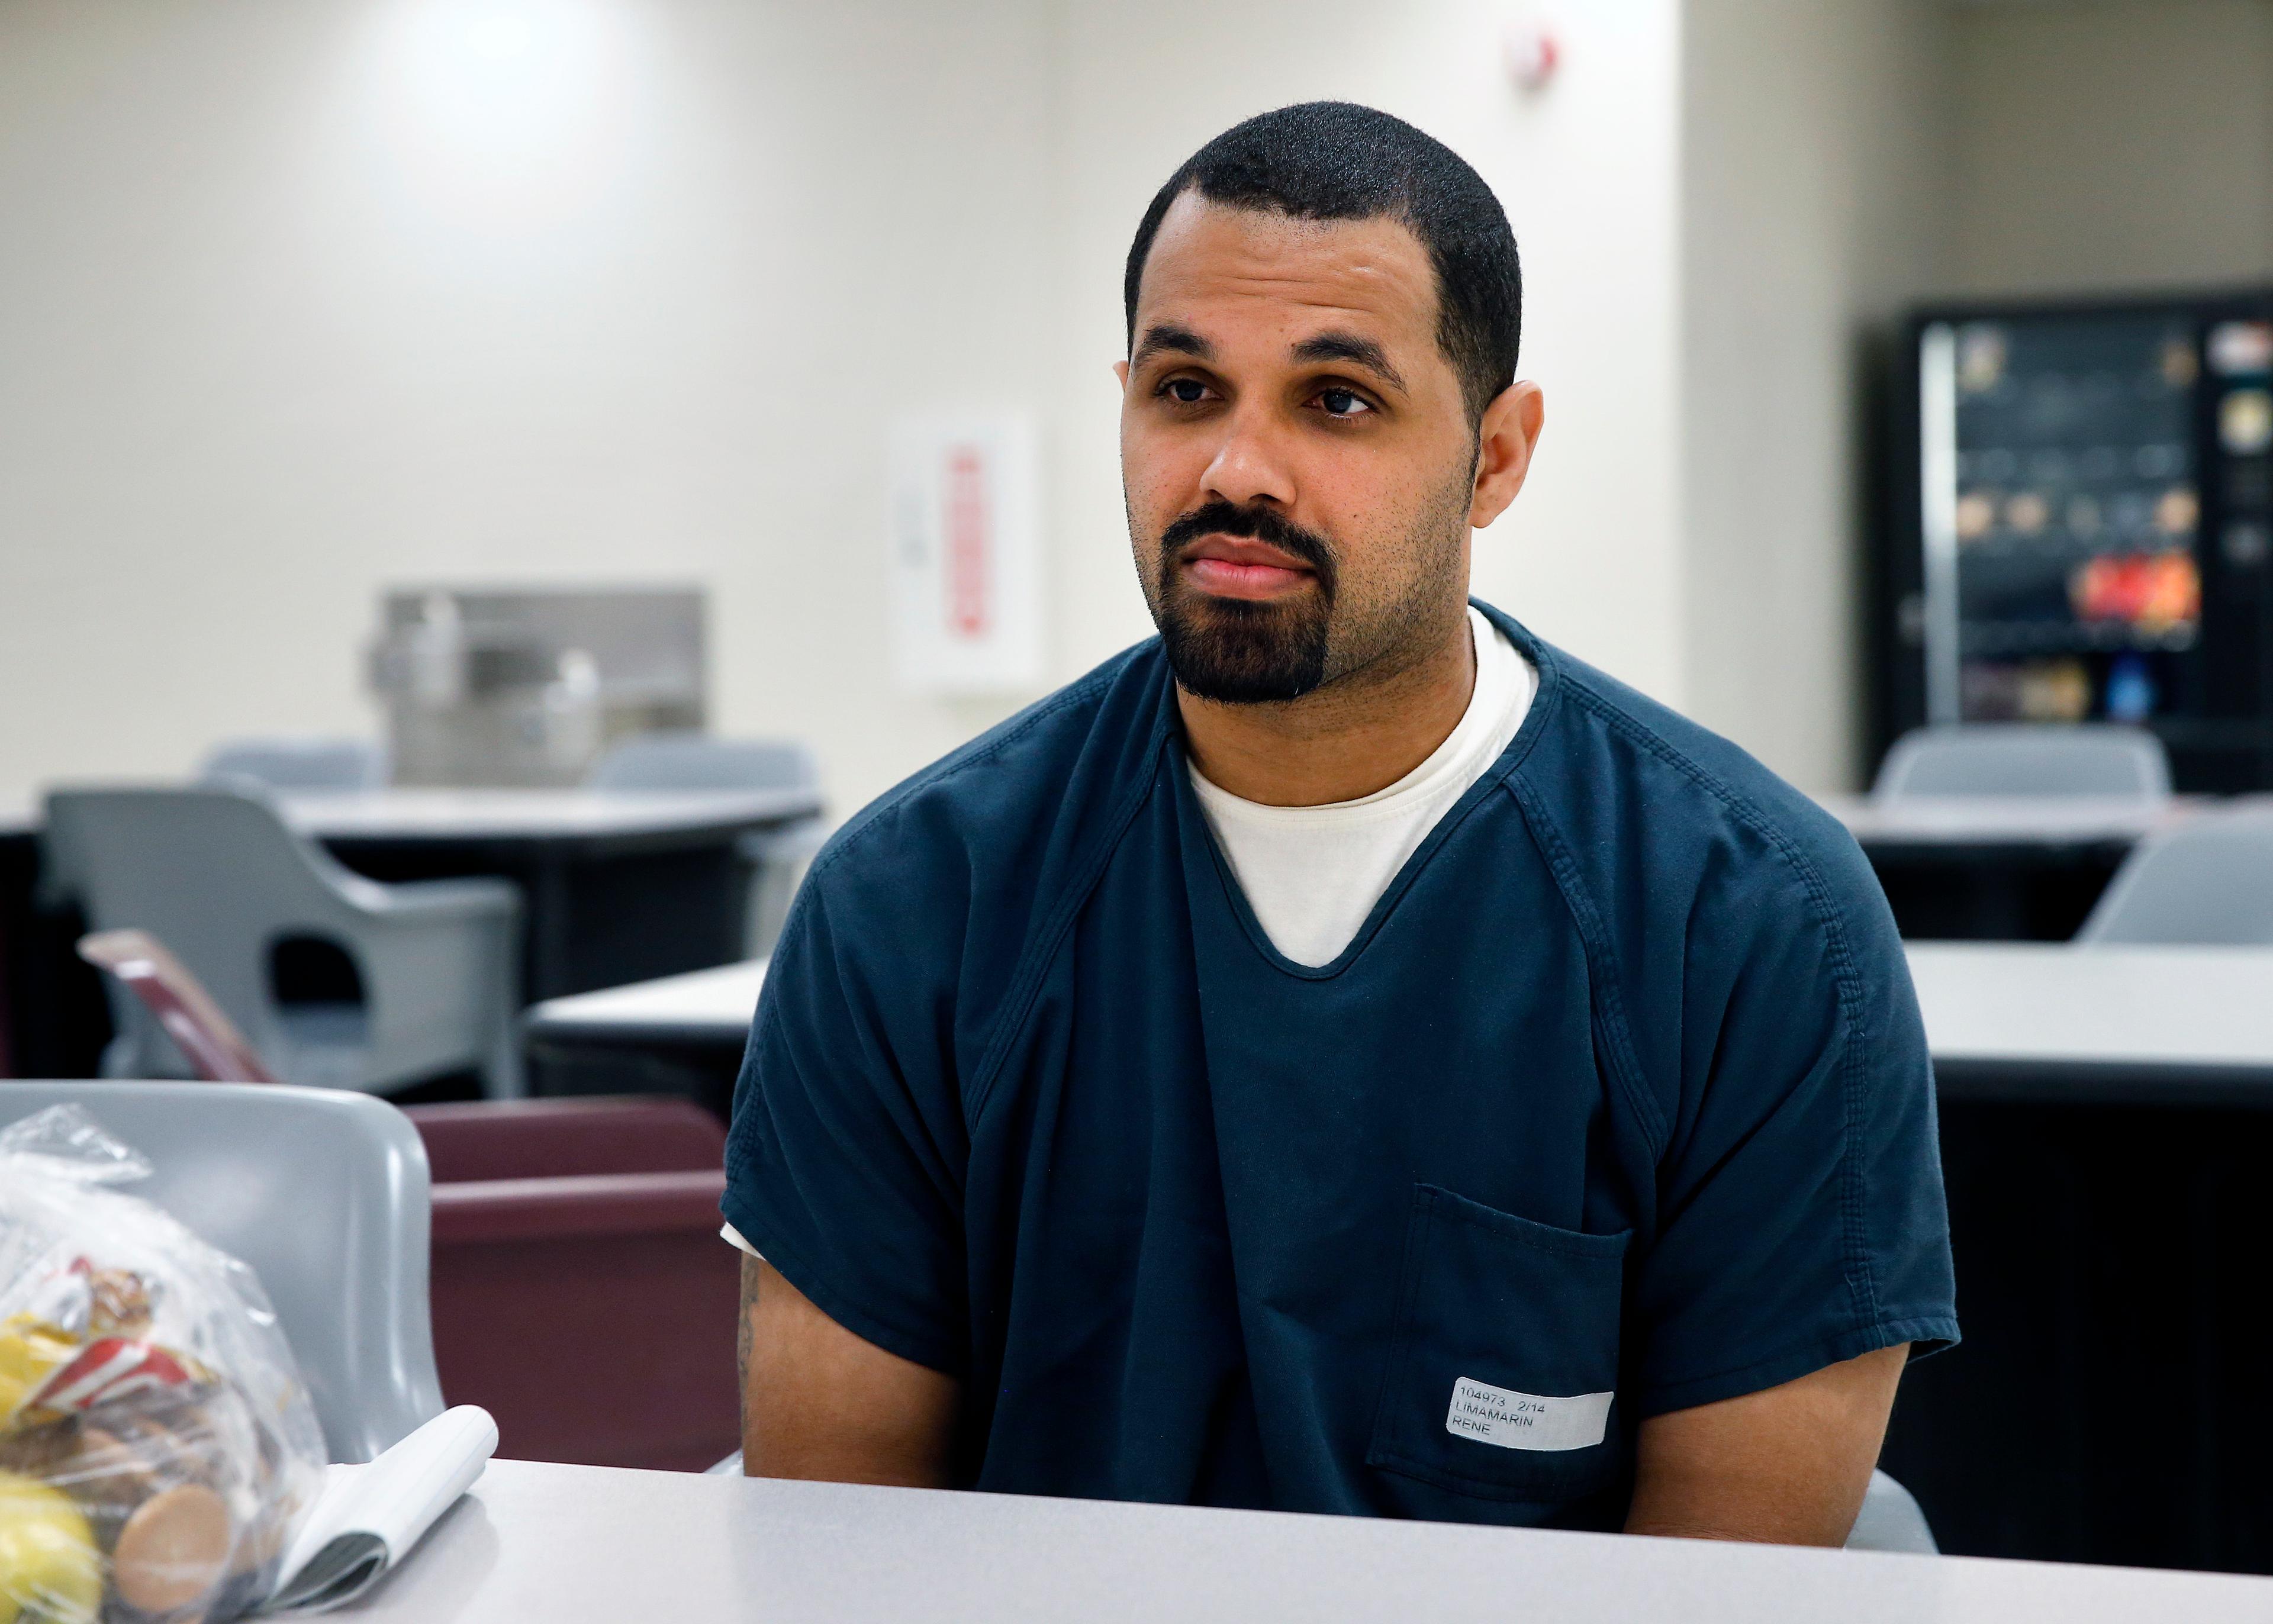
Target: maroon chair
{"points": [[179, 1002], [582, 1294]]}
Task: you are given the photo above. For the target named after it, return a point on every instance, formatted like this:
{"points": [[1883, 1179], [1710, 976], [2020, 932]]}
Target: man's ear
{"points": [[1505, 442], [1121, 372]]}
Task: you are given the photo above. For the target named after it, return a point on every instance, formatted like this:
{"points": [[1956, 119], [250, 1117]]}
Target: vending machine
{"points": [[2079, 520]]}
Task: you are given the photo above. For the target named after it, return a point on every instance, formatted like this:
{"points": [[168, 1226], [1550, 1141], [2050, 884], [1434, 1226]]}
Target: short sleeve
{"points": [[1801, 1219], [845, 1159]]}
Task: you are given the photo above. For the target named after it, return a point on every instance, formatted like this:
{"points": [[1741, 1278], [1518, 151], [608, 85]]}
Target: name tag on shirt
{"points": [[1526, 1421]]}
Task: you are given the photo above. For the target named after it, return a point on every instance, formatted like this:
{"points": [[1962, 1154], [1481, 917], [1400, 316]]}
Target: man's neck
{"points": [[1351, 737]]}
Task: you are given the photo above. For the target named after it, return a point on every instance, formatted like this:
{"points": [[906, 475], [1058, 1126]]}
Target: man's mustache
{"points": [[1255, 524]]}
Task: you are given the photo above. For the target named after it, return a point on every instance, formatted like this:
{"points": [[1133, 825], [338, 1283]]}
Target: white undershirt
{"points": [[1313, 873]]}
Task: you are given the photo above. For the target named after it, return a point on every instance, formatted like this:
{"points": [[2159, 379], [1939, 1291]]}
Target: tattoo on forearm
{"points": [[742, 1337]]}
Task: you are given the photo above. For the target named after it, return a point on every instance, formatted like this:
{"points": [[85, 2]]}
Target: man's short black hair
{"points": [[1337, 161]]}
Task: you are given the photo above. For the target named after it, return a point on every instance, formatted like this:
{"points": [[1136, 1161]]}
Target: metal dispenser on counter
{"points": [[527, 688]]}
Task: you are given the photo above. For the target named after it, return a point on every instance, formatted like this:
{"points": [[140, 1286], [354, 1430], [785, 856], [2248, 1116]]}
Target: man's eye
{"points": [[1185, 391], [1343, 402]]}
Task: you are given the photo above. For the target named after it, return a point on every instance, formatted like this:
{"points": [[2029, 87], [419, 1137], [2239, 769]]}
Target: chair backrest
{"points": [[587, 1229], [299, 763], [201, 1029], [326, 1195], [2024, 758], [568, 1138], [212, 872], [1890, 1520], [2207, 881], [698, 761]]}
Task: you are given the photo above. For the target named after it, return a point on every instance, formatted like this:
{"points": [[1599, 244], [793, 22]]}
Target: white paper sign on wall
{"points": [[967, 554]]}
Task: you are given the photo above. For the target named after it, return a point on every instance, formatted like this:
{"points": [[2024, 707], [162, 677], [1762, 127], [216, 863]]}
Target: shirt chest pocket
{"points": [[1503, 1364]]}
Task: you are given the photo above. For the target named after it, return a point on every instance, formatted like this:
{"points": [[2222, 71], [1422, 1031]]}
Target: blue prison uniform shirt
{"points": [[1620, 1090]]}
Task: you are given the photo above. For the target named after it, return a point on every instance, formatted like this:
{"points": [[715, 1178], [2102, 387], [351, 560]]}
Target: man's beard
{"points": [[1241, 651]]}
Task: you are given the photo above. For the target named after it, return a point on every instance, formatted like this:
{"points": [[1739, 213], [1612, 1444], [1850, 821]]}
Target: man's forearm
{"points": [[819, 1402], [750, 1267], [1786, 1466]]}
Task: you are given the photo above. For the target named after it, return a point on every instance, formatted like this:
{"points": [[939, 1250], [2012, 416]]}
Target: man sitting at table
{"points": [[1346, 1054]]}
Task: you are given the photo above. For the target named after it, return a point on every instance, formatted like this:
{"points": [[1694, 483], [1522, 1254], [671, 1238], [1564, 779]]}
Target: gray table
{"points": [[2106, 1123], [2004, 1019], [2016, 822], [677, 1035], [619, 886], [701, 1006], [612, 817], [2010, 867], [581, 1544], [2107, 1113], [414, 815], [2153, 1026], [696, 1007]]}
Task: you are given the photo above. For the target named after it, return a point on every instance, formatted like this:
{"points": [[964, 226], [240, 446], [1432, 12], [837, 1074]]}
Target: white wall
{"points": [[1814, 169], [2113, 144], [1840, 161], [1589, 554], [299, 300]]}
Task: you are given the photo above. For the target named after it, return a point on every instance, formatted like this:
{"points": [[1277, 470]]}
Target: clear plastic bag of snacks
{"points": [[157, 1446]]}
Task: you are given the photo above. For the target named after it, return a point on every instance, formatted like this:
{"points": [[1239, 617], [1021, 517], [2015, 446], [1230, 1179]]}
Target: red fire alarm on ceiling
{"points": [[1532, 53]]}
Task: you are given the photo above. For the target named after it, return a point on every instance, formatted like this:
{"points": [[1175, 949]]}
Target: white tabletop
{"points": [[422, 814], [2056, 1006], [409, 814], [1927, 821], [586, 1544], [397, 813], [700, 1005], [2049, 1005]]}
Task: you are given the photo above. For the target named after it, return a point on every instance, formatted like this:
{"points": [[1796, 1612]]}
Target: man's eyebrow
{"points": [[1168, 337], [1348, 347]]}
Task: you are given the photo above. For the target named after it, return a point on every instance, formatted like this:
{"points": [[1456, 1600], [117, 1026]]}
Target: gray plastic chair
{"points": [[1890, 1520], [2207, 881], [215, 874], [299, 763], [777, 857], [2026, 759], [326, 1196]]}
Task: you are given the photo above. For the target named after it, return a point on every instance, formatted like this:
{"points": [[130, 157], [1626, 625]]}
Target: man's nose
{"points": [[1248, 466]]}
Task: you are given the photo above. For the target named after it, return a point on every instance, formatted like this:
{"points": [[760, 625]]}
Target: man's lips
{"points": [[1227, 567]]}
